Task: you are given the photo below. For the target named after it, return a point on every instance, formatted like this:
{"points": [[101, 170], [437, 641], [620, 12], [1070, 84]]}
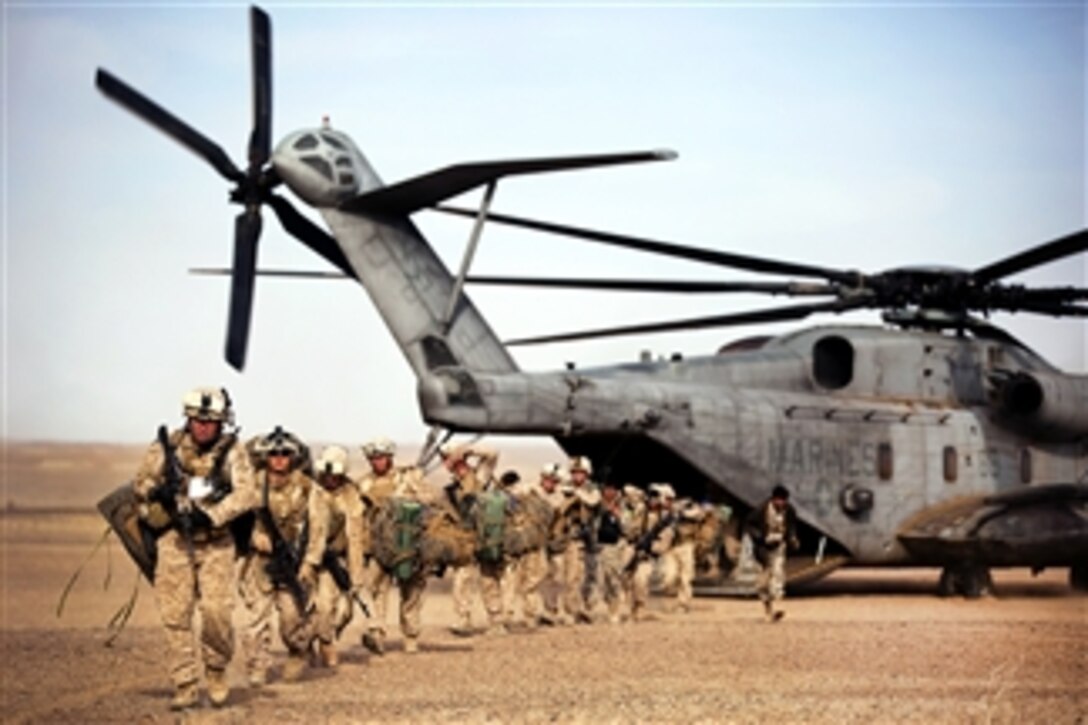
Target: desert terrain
{"points": [[860, 646]]}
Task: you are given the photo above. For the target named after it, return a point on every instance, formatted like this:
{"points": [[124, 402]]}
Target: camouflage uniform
{"points": [[661, 519], [612, 555], [580, 513], [551, 586], [633, 522], [346, 546], [527, 573], [296, 504], [470, 479], [678, 565], [200, 573], [403, 483], [772, 528]]}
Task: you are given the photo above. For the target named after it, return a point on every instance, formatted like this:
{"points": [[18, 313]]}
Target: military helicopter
{"points": [[936, 440]]}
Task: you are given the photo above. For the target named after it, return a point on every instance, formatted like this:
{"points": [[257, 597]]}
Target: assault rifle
{"points": [[285, 561], [646, 541], [166, 494], [331, 562]]}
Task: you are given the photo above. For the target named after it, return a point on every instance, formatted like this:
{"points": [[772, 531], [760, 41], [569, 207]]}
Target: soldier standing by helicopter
{"points": [[191, 484], [772, 527], [397, 491], [580, 509], [472, 468]]}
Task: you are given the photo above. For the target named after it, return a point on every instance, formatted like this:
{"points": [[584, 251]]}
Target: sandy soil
{"points": [[861, 646]]}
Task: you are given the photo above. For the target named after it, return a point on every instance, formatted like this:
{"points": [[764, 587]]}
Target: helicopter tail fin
{"points": [[412, 290]]}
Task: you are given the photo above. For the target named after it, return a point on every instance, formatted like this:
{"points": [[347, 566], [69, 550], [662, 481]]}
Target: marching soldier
{"points": [[288, 544], [654, 544], [580, 511], [471, 468], [526, 574], [491, 510], [550, 490], [341, 579], [772, 527], [611, 552], [189, 487], [680, 561], [389, 485]]}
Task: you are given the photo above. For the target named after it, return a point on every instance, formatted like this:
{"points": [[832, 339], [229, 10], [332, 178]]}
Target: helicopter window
{"points": [[885, 465], [951, 472], [833, 362], [347, 180], [319, 165], [306, 143], [343, 162], [1025, 465], [333, 141]]}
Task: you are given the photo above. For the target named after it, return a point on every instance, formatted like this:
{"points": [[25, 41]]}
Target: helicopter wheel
{"points": [[1078, 578], [966, 580]]}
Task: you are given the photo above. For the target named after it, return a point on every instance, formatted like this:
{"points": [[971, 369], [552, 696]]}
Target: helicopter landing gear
{"points": [[967, 580], [1078, 578]]}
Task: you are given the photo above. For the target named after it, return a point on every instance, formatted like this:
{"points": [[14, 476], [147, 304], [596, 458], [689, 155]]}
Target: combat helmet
{"points": [[282, 441], [333, 461], [379, 447], [581, 463], [208, 404]]}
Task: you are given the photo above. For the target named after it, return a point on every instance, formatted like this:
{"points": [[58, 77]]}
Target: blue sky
{"points": [[865, 137]]}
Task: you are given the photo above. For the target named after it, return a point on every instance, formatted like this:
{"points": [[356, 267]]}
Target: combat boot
{"points": [[258, 677], [185, 696], [295, 666], [327, 654], [218, 687], [411, 645], [374, 641], [463, 628]]}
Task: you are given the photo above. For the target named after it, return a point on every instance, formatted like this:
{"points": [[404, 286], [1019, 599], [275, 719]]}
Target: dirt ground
{"points": [[863, 645]]}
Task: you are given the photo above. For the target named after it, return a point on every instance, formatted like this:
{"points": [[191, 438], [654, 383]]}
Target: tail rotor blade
{"points": [[168, 123], [260, 140], [247, 230]]}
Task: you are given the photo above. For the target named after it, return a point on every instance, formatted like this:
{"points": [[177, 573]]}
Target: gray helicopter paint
{"points": [[744, 421]]}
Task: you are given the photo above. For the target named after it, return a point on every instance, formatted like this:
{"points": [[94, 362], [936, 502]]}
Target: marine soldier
{"points": [[190, 486], [389, 485], [611, 552], [772, 527], [341, 579], [288, 543], [633, 513], [550, 490], [490, 511], [580, 508], [471, 468], [679, 563], [526, 573], [654, 544]]}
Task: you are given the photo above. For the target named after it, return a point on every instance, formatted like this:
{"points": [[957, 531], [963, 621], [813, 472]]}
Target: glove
{"points": [[307, 576], [198, 519]]}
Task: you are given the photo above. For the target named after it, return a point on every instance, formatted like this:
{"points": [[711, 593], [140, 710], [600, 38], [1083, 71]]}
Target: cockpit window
{"points": [[333, 141], [306, 143], [319, 165], [343, 162]]}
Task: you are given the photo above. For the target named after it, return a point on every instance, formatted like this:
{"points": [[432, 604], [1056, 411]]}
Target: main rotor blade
{"points": [[247, 230], [260, 140], [777, 314], [697, 254], [659, 285], [310, 234], [1052, 309], [1041, 254], [168, 123], [282, 273]]}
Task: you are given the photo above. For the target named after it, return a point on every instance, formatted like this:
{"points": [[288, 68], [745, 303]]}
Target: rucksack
{"points": [[407, 525], [490, 525]]}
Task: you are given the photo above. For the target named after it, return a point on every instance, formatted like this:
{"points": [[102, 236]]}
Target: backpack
{"points": [[407, 525], [490, 525]]}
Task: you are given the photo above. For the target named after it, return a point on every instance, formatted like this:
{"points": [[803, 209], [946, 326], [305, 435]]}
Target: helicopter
{"points": [[936, 440]]}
